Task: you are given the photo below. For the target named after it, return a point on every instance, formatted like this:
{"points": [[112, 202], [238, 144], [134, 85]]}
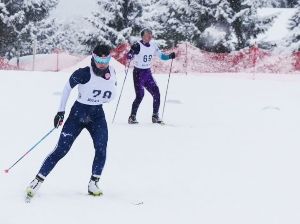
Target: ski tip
{"points": [[5, 171]]}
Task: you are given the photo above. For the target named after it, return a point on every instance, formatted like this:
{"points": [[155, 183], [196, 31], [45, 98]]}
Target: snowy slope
{"points": [[229, 154]]}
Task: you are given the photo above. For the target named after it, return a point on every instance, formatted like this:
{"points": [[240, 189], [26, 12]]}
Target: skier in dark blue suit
{"points": [[96, 85]]}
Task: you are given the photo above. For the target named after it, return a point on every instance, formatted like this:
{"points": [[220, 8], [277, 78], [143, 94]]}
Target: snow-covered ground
{"points": [[229, 153]]}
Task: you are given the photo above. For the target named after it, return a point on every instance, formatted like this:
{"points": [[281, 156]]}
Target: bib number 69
{"points": [[147, 58]]}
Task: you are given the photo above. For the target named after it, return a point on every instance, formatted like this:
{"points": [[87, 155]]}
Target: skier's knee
{"points": [[139, 97], [60, 152], [57, 155], [155, 92]]}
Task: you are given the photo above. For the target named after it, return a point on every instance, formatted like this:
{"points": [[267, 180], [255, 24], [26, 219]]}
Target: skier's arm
{"points": [[65, 96], [80, 76], [135, 49], [59, 117], [163, 56], [71, 83]]}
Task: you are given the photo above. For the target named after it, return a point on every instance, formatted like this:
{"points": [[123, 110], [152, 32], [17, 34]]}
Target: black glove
{"points": [[172, 55], [135, 49], [59, 118]]}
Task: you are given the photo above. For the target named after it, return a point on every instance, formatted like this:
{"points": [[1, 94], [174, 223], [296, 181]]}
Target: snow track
{"points": [[230, 154]]}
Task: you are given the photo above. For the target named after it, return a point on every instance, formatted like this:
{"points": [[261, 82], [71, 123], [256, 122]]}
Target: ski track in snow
{"points": [[228, 154]]}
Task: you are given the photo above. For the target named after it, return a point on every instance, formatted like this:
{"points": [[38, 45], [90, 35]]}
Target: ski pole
{"points": [[126, 72], [162, 116], [7, 170]]}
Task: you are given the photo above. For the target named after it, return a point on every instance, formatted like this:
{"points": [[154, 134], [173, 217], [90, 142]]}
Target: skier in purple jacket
{"points": [[142, 53]]}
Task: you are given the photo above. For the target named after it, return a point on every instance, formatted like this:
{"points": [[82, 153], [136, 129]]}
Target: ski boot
{"points": [[93, 188], [156, 119], [33, 187], [132, 119]]}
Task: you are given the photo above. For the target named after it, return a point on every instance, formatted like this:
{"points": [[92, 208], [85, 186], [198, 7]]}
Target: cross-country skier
{"points": [[96, 85], [142, 53]]}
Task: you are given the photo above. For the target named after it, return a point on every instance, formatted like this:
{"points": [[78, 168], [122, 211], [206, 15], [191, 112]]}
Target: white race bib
{"points": [[98, 90], [143, 60]]}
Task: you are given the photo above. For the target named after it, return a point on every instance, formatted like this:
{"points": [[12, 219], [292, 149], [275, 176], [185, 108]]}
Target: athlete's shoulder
{"points": [[135, 47], [83, 70], [153, 44], [136, 44], [80, 76]]}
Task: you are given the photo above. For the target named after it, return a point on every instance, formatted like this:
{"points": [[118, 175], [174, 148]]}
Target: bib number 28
{"points": [[106, 94]]}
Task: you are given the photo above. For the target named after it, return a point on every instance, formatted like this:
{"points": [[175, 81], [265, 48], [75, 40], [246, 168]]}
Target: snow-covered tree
{"points": [[52, 35], [277, 3], [293, 40], [173, 22], [234, 23], [247, 24], [25, 17], [3, 18], [3, 11], [212, 23], [114, 22], [4, 29], [292, 3], [272, 3]]}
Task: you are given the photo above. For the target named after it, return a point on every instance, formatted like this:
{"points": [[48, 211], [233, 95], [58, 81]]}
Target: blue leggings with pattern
{"points": [[81, 116]]}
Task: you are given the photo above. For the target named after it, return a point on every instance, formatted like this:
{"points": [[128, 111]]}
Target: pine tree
{"points": [[273, 3], [277, 3], [208, 32], [3, 11], [22, 24], [239, 22], [114, 22], [247, 24], [53, 35], [293, 40], [292, 3], [67, 38], [3, 19], [173, 22]]}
